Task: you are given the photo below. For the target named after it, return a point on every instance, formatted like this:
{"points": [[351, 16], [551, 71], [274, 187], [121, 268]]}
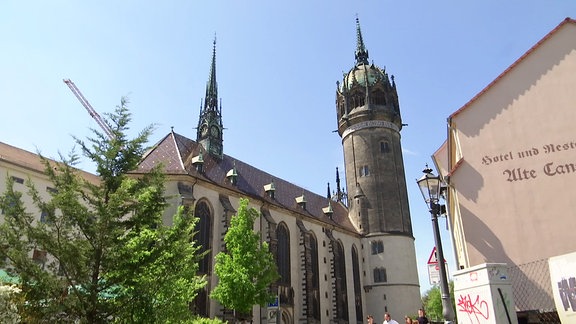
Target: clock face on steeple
{"points": [[214, 131]]}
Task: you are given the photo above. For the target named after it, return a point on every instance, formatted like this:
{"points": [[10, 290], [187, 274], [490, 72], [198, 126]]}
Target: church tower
{"points": [[210, 127], [369, 124]]}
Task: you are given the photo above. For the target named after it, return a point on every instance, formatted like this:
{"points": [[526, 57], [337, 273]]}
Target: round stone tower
{"points": [[369, 123]]}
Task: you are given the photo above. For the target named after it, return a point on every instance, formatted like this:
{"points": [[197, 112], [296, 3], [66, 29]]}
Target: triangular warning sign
{"points": [[433, 259]]}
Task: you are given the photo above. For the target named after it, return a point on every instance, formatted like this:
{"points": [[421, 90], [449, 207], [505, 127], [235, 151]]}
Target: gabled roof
{"points": [[31, 161], [175, 153], [16, 156], [518, 61]]}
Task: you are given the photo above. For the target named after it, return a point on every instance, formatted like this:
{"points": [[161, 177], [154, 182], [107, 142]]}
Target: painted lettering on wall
{"points": [[475, 308], [549, 169]]}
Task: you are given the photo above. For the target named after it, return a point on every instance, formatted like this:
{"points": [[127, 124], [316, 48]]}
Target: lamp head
{"points": [[430, 186]]}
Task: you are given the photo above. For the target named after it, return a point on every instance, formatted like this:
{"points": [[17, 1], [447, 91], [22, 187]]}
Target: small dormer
{"points": [[198, 162], [232, 176], [269, 189], [301, 201], [328, 211]]}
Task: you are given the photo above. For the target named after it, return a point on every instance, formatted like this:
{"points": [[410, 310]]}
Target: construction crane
{"points": [[88, 107]]}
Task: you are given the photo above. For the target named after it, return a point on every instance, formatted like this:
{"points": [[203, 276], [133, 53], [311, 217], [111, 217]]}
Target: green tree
{"points": [[247, 268], [109, 255], [8, 303], [432, 301]]}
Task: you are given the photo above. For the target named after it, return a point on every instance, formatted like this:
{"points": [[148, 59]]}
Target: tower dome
{"points": [[363, 75], [366, 92]]}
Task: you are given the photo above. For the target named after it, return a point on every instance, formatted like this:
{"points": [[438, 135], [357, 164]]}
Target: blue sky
{"points": [[277, 67]]}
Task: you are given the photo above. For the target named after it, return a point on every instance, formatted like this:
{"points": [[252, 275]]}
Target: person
{"points": [[422, 319], [408, 320], [388, 319], [370, 319]]}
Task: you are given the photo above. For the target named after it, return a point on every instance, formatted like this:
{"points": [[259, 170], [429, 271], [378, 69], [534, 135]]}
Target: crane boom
{"points": [[89, 108]]}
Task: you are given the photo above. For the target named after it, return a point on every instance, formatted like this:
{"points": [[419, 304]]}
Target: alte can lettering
{"points": [[519, 174]]}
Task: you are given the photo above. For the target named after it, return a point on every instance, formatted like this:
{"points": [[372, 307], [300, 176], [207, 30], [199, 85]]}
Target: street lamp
{"points": [[430, 186]]}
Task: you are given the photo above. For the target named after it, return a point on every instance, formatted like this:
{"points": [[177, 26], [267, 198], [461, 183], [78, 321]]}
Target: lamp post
{"points": [[430, 186]]}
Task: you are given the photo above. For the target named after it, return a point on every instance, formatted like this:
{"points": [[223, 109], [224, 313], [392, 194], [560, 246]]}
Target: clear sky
{"points": [[277, 67]]}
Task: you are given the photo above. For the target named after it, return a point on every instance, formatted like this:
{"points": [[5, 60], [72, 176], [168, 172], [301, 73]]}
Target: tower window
{"points": [[378, 97], [40, 257], [380, 275], [384, 147], [44, 217], [364, 171], [377, 247], [17, 179]]}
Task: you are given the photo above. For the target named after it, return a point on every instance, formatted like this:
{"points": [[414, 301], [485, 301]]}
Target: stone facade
{"points": [[341, 257]]}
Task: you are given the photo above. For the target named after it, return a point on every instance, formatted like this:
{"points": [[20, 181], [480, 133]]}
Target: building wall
{"points": [[519, 151], [17, 173], [26, 168], [376, 297], [509, 161]]}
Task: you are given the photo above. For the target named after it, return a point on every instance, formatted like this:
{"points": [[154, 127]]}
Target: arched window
{"points": [[203, 234], [384, 147], [315, 282], [283, 261], [357, 286], [340, 276], [357, 97], [203, 238], [364, 171], [378, 97]]}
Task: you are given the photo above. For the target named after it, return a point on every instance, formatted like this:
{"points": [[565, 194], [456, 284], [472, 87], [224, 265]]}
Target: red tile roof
{"points": [[31, 161], [175, 152]]}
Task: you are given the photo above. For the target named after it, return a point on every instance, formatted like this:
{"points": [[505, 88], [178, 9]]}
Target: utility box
{"points": [[483, 294]]}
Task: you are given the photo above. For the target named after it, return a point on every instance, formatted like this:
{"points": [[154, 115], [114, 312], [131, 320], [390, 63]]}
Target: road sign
{"points": [[273, 311], [433, 259], [434, 273], [272, 315], [274, 303], [434, 267]]}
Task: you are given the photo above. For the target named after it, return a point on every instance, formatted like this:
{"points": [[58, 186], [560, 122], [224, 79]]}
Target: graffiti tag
{"points": [[476, 309]]}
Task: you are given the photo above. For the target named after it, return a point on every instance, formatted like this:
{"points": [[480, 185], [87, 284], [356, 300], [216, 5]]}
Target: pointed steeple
{"points": [[361, 52], [210, 121], [338, 190], [211, 99]]}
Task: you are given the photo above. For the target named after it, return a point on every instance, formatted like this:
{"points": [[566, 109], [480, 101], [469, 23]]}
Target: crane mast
{"points": [[89, 108]]}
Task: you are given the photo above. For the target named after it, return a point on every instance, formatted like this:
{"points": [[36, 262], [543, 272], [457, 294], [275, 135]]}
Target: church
{"points": [[340, 256]]}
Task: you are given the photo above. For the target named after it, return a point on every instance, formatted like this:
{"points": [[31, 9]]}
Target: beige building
{"points": [[509, 162], [23, 166]]}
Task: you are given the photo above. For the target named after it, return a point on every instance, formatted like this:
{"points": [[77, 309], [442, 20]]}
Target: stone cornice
{"points": [[370, 124]]}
